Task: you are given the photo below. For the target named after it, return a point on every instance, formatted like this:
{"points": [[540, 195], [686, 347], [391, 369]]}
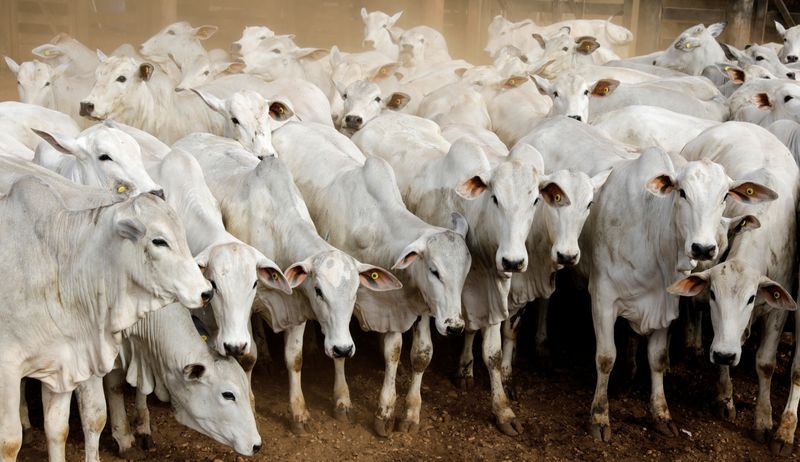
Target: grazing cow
{"points": [[147, 265], [694, 50], [678, 210], [325, 279], [434, 260]]}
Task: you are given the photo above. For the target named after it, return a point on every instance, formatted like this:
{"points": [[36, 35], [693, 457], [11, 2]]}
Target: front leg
{"points": [[142, 430], [113, 384], [10, 424], [658, 357], [510, 333], [603, 318], [341, 392], [92, 408], [56, 422], [465, 377], [421, 353], [726, 408], [766, 356], [293, 355], [384, 418], [493, 356], [784, 436]]}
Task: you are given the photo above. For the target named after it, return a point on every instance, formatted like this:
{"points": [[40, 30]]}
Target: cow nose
{"points": [[353, 121], [341, 352], [723, 359], [86, 108], [256, 448], [454, 330], [703, 252], [158, 193], [207, 296], [566, 260], [791, 59], [790, 75], [576, 117], [408, 47], [234, 350], [512, 265]]}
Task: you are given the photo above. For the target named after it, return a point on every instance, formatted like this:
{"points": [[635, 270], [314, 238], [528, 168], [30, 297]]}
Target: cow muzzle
{"points": [[513, 265], [353, 122], [343, 351], [723, 359], [86, 109], [703, 252], [791, 59]]}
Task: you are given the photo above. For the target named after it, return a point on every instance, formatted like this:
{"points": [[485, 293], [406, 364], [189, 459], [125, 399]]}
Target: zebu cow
{"points": [[378, 28], [325, 279], [790, 51], [694, 49], [178, 42]]}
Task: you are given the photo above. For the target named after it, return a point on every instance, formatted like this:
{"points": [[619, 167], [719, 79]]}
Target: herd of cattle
{"points": [[280, 184]]}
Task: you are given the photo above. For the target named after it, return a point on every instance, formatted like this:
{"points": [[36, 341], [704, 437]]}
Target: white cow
{"points": [[378, 29], [788, 131], [17, 120], [63, 50], [325, 279], [763, 102], [252, 36], [790, 50], [144, 267], [694, 49], [517, 108], [202, 70], [434, 260], [422, 47], [569, 93], [456, 103], [178, 42], [363, 101]]}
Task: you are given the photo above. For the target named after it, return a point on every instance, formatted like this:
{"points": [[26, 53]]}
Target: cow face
{"points": [[377, 25], [35, 81], [699, 191], [108, 157], [569, 93], [252, 37], [438, 264], [363, 102], [234, 271], [783, 102], [733, 291], [213, 398], [412, 49], [769, 60], [330, 281], [117, 80], [179, 41], [694, 49], [791, 43], [250, 119], [201, 70]]}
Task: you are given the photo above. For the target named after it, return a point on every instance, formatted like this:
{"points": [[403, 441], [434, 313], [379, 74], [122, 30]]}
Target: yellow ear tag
{"points": [[384, 71], [749, 191], [557, 198], [776, 295], [121, 189], [688, 45], [204, 337], [274, 276], [281, 110], [605, 89], [47, 52], [374, 275]]}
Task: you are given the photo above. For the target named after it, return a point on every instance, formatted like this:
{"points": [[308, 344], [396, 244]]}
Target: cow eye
{"points": [[788, 98], [494, 199], [682, 193], [171, 32], [536, 201], [255, 284], [378, 99], [586, 92], [228, 396], [759, 58], [318, 291], [565, 49], [276, 51], [235, 120], [436, 274], [160, 243], [47, 84], [751, 299], [767, 77], [213, 285], [104, 157], [263, 37], [712, 295], [555, 94], [590, 204], [206, 72], [344, 96], [122, 79]]}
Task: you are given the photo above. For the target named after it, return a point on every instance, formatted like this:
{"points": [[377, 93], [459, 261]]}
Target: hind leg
{"points": [[92, 407], [384, 418]]}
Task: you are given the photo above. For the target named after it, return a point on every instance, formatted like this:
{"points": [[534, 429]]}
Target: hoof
{"points": [[342, 414], [511, 428], [301, 428], [465, 383], [145, 441], [600, 432], [666, 428], [726, 410], [407, 426], [778, 447], [132, 453], [762, 435], [383, 427]]}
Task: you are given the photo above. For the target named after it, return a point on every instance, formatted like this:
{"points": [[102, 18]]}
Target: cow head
{"points": [[694, 49], [733, 291], [764, 57], [250, 119], [791, 43], [412, 49], [179, 42], [569, 93], [377, 25], [252, 37], [118, 79], [783, 102], [202, 70], [35, 81], [363, 102]]}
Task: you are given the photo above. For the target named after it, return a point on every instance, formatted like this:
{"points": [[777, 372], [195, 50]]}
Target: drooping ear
{"points": [[716, 28], [473, 187], [336, 56], [394, 18], [12, 65], [271, 276], [736, 74], [47, 51], [130, 228], [410, 253], [513, 82], [751, 193], [297, 273], [384, 72], [202, 258], [460, 72], [216, 104], [604, 87], [397, 101], [781, 30], [775, 295], [566, 30], [376, 278], [542, 84], [661, 185], [586, 45], [600, 179], [236, 67], [761, 100], [312, 54], [742, 224], [62, 143], [459, 224], [204, 32], [101, 56], [145, 71], [280, 111], [552, 193], [687, 44], [364, 14], [194, 371], [540, 40], [690, 285]]}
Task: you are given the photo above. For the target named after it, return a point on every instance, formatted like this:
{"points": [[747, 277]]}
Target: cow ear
{"points": [[202, 258], [600, 179], [145, 71], [604, 87], [410, 253], [542, 84], [459, 224], [513, 82], [280, 111], [271, 276], [364, 14], [47, 51], [216, 104], [62, 143], [779, 27], [472, 188], [716, 28], [761, 100], [540, 40], [12, 65], [566, 30], [312, 54], [384, 72], [742, 224], [751, 193], [377, 279], [194, 371], [553, 194], [101, 56], [395, 17], [236, 67], [736, 75], [131, 229], [397, 101], [661, 185], [586, 45], [204, 32], [297, 273], [690, 285], [775, 295]]}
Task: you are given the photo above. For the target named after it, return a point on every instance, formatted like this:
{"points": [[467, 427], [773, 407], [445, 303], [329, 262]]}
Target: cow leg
{"points": [[510, 332], [693, 330], [631, 354], [56, 422], [384, 418], [784, 436], [92, 407], [293, 355], [542, 345], [23, 414], [766, 356], [141, 424], [260, 338], [464, 377], [603, 317], [10, 423], [493, 356], [341, 392], [658, 357], [113, 384], [421, 353], [726, 408]]}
